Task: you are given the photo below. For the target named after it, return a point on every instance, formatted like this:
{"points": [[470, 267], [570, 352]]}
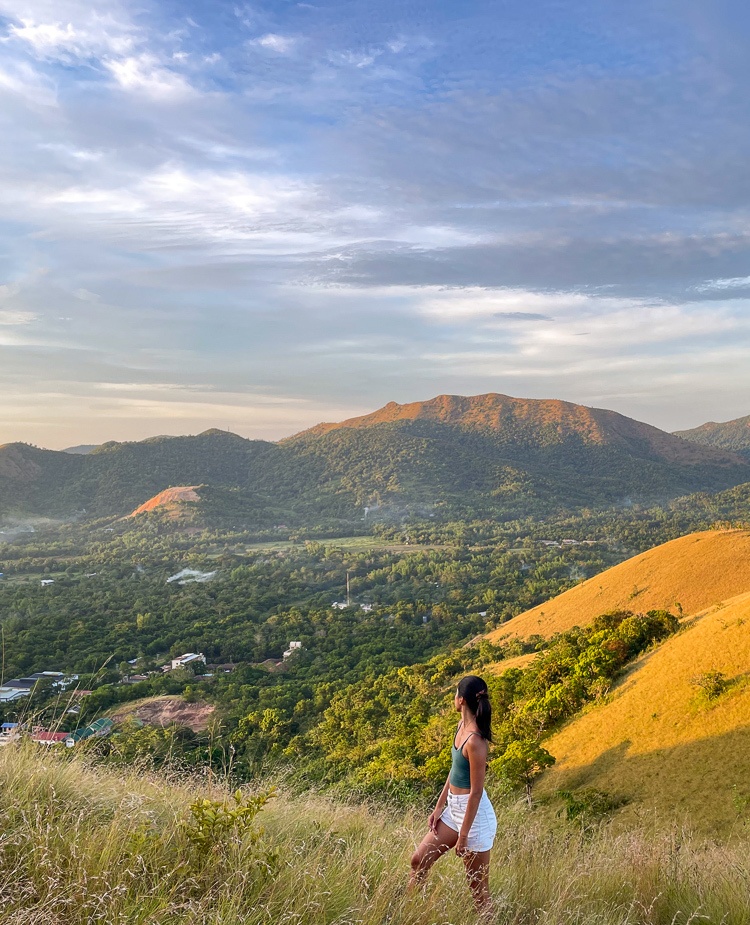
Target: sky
{"points": [[259, 216]]}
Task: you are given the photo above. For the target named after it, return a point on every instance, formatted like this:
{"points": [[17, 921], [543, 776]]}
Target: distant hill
{"points": [[83, 450], [531, 423], [732, 435], [685, 576], [489, 450], [489, 455]]}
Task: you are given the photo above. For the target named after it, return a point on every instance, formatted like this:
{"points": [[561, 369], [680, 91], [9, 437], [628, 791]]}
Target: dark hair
{"points": [[475, 693]]}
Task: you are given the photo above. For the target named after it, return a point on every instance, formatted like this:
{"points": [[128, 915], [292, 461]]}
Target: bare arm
{"points": [[439, 806], [476, 752]]}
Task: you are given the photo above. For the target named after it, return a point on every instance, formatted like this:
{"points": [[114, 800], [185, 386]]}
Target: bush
{"points": [[712, 683], [589, 804]]}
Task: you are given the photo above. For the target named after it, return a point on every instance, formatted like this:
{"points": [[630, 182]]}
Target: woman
{"points": [[463, 817]]}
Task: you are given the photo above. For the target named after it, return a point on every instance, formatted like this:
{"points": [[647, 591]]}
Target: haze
{"points": [[261, 216]]}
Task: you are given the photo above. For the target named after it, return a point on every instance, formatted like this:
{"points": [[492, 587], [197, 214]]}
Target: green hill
{"points": [[487, 455], [731, 435]]}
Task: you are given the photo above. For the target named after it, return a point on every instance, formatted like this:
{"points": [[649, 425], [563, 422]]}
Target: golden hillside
{"points": [[659, 740], [169, 498], [691, 573]]}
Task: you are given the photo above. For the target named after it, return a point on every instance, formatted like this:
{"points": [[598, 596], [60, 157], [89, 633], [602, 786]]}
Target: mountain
{"points": [[529, 423], [685, 576], [656, 739], [82, 449], [487, 450], [732, 435], [488, 455]]}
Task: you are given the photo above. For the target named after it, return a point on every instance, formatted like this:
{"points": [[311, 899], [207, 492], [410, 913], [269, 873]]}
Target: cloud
{"points": [[15, 318], [70, 30], [283, 44], [18, 79], [144, 74], [286, 202]]}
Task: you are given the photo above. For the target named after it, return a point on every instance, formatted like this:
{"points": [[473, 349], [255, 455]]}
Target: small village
{"points": [[17, 689]]}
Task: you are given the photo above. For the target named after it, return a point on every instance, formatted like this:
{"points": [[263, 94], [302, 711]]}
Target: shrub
{"points": [[589, 804], [216, 824], [712, 683]]}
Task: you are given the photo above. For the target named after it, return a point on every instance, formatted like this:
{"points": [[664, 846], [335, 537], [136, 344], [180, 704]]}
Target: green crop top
{"points": [[460, 775]]}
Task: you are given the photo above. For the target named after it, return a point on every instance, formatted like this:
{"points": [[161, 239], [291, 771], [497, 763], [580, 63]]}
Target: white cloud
{"points": [[15, 318], [144, 74], [282, 44], [88, 33], [719, 285]]}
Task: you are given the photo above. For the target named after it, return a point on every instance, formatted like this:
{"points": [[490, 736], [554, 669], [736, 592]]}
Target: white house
{"points": [[187, 659], [293, 647]]}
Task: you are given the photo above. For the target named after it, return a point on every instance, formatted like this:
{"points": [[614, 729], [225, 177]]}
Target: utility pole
{"points": [[348, 598]]}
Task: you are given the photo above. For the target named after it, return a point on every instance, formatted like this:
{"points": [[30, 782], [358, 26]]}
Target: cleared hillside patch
{"points": [[166, 710]]}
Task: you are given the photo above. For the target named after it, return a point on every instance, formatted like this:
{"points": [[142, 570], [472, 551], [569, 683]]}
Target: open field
{"points": [[347, 543], [84, 845]]}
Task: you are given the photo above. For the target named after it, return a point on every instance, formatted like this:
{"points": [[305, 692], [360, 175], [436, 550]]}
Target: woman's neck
{"points": [[468, 719]]}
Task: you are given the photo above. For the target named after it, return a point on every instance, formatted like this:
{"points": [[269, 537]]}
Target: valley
{"points": [[329, 591]]}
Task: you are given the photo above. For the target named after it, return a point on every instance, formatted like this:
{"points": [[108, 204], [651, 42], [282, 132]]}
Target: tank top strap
{"points": [[461, 746]]}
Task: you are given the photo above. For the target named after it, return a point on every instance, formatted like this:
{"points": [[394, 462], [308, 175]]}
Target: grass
{"points": [[685, 576], [660, 740], [83, 845]]}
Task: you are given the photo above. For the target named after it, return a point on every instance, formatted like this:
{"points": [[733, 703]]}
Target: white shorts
{"points": [[484, 826]]}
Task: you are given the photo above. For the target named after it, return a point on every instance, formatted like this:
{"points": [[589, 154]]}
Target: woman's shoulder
{"points": [[476, 744]]}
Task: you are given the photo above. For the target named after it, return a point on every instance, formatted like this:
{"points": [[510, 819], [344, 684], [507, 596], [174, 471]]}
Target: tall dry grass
{"points": [[84, 845]]}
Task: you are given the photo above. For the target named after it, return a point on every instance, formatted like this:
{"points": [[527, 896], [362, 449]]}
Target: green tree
{"points": [[521, 763]]}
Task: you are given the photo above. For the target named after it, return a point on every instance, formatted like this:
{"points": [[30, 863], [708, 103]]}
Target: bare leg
{"points": [[432, 846], [477, 865]]}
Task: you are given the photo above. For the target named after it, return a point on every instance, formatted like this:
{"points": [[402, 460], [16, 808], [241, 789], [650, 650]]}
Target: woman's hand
{"points": [[461, 848], [433, 820]]}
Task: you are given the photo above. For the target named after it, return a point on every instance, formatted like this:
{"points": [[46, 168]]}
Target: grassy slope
{"points": [[659, 739], [82, 845], [695, 571]]}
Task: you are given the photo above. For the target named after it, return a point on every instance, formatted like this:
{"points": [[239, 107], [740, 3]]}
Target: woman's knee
{"points": [[421, 858]]}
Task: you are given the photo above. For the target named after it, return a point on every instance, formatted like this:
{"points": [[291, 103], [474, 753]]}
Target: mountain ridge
{"points": [[729, 435], [488, 455]]}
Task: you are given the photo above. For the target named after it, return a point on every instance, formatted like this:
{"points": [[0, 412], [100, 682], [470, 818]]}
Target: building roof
{"points": [[45, 736]]}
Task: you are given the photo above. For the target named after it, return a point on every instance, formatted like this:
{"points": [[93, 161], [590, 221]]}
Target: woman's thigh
{"points": [[477, 866], [435, 844]]}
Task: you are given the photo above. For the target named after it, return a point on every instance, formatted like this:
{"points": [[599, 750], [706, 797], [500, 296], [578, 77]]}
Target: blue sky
{"points": [[258, 216]]}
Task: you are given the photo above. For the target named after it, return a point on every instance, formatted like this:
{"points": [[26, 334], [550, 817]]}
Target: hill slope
{"points": [[659, 740], [169, 500], [533, 422], [489, 455], [694, 572], [731, 435]]}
